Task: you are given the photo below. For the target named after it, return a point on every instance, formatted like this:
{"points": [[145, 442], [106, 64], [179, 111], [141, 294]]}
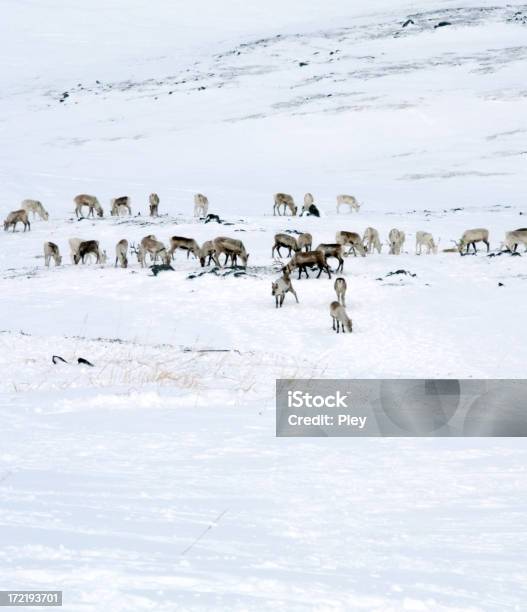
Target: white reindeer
{"points": [[340, 318], [36, 208], [347, 200], [425, 239]]}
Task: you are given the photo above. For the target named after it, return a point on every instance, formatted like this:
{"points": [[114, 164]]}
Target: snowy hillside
{"points": [[153, 480]]}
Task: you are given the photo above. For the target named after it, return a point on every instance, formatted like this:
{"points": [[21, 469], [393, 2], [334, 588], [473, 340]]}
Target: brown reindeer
{"points": [[231, 248], [353, 240], [284, 241], [285, 200], [91, 202], [185, 244], [17, 216], [305, 241], [333, 250], [311, 259], [118, 204], [282, 286]]}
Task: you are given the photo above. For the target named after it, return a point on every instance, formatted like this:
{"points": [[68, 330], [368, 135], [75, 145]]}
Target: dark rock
{"points": [[82, 361], [408, 22], [302, 64], [442, 24], [56, 358], [157, 268]]}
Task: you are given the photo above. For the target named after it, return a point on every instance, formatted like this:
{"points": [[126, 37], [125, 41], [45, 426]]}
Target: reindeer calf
{"points": [[425, 239], [201, 205], [284, 241]]}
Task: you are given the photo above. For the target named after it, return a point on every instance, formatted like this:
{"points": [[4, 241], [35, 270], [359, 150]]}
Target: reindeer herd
{"points": [[302, 256]]}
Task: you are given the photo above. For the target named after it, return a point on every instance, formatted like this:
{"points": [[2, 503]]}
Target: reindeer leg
{"points": [[294, 293]]}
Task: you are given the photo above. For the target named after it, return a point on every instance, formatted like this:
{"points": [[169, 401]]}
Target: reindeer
{"points": [[470, 237], [51, 251], [151, 245], [302, 261], [353, 239], [371, 240], [232, 248], [207, 250], [427, 240], [333, 250], [88, 247], [340, 317], [347, 200], [121, 253], [281, 287], [309, 206], [91, 202], [305, 241], [118, 203], [396, 240], [308, 201], [36, 208], [17, 216], [284, 241], [185, 244], [74, 247], [340, 287], [285, 200], [153, 200], [201, 205], [514, 238]]}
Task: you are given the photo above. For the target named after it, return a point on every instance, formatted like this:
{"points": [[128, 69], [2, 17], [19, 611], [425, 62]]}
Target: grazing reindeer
{"points": [[185, 244], [88, 247], [284, 241], [207, 250], [425, 239], [354, 241], [302, 261], [333, 250], [232, 248], [121, 253], [347, 200], [340, 287], [514, 238], [281, 287], [396, 240], [201, 205], [51, 251], [470, 237], [118, 203], [74, 247], [36, 208], [91, 202], [371, 240], [340, 317], [151, 245], [305, 241], [285, 200], [153, 200], [17, 216]]}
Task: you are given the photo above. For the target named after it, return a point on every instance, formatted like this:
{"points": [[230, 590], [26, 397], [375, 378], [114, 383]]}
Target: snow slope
{"points": [[153, 481]]}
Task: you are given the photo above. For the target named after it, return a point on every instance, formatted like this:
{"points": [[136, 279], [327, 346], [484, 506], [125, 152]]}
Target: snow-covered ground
{"points": [[153, 481]]}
